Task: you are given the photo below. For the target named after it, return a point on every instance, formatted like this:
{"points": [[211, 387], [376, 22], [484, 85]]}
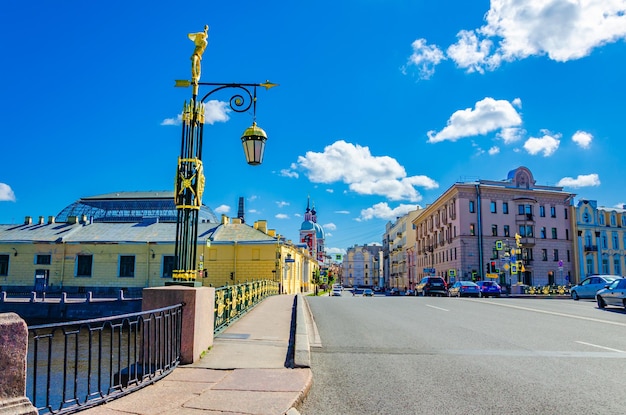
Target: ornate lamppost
{"points": [[189, 183]]}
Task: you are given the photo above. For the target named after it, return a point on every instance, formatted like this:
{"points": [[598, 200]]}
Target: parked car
{"points": [[590, 286], [368, 292], [409, 292], [336, 292], [614, 294], [489, 289], [394, 291], [464, 289], [432, 286]]}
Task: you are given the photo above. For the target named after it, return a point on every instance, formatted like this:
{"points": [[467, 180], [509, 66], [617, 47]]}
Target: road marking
{"points": [[597, 320], [438, 308], [601, 347]]}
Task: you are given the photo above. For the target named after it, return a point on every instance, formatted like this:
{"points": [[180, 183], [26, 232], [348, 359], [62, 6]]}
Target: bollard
{"points": [[33, 296], [3, 296], [120, 295], [13, 349], [89, 296], [63, 297]]}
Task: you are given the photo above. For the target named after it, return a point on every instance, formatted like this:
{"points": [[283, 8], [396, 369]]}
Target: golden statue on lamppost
{"points": [[190, 180]]}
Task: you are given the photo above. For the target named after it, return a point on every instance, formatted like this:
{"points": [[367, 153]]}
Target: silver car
{"points": [[614, 294], [590, 286]]}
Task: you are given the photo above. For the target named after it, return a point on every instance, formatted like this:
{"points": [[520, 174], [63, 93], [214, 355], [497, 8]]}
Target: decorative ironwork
{"points": [[189, 183], [233, 301], [76, 365]]}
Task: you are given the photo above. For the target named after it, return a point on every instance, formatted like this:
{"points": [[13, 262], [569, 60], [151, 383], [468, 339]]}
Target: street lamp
{"points": [[190, 180]]}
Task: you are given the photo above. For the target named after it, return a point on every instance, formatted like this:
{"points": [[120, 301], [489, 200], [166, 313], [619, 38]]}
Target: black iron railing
{"points": [[73, 366], [233, 301]]}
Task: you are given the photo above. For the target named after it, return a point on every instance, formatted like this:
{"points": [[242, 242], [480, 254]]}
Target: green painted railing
{"points": [[233, 301]]}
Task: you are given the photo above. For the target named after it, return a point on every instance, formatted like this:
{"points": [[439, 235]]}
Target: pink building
{"points": [[470, 231]]}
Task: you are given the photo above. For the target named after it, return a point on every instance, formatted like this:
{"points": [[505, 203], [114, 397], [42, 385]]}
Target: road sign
{"points": [[451, 273], [499, 245], [493, 276]]}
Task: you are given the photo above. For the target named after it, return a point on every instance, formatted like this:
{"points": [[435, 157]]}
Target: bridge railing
{"points": [[233, 301], [73, 366]]}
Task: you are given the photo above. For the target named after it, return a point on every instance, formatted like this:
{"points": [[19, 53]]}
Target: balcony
{"points": [[591, 248]]}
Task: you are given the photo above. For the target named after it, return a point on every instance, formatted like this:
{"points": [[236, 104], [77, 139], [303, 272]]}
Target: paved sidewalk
{"points": [[245, 372]]}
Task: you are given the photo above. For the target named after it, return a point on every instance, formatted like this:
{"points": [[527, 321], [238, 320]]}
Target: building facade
{"points": [[399, 252], [362, 266], [600, 241], [470, 231]]}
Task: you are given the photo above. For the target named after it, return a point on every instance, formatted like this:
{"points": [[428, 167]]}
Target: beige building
{"points": [[470, 230], [399, 252]]}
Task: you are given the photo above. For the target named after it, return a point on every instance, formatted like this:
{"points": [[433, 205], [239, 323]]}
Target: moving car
{"points": [[368, 292], [432, 286], [614, 294], [464, 289], [336, 292], [590, 286], [394, 291], [489, 289]]}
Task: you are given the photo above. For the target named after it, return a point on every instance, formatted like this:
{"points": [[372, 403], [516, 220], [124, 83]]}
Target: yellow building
{"points": [[130, 247]]}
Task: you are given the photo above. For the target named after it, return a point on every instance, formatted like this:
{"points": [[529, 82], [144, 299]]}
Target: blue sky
{"points": [[382, 104]]}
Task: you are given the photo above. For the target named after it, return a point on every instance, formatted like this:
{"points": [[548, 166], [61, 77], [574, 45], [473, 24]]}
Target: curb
{"points": [[302, 348]]}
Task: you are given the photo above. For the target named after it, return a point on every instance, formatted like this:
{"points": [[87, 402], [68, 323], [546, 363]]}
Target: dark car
{"points": [[368, 292], [429, 286], [394, 291], [614, 294], [464, 289], [489, 289]]}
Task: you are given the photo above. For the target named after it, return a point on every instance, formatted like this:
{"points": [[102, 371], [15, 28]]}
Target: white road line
{"points": [[438, 308], [601, 347], [597, 320]]}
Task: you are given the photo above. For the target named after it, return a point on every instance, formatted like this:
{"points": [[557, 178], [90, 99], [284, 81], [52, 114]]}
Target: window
{"points": [[617, 266], [601, 218], [494, 230], [520, 209], [4, 265], [168, 266], [493, 207], [623, 219], [565, 213], [472, 229], [506, 230], [472, 208], [544, 254], [615, 240], [542, 232], [552, 212], [526, 231], [555, 254], [505, 208], [127, 266], [613, 220], [569, 259], [589, 265], [43, 259], [84, 265], [542, 211], [605, 264], [567, 234], [554, 233]]}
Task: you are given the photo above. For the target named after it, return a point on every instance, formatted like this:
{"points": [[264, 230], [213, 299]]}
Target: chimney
{"points": [[272, 233], [42, 220], [261, 225], [28, 220], [72, 219], [225, 219], [83, 219], [50, 220], [236, 221]]}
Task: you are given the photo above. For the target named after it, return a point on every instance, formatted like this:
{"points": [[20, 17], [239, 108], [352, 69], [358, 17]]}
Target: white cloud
{"points": [[214, 111], [494, 150], [583, 180], [342, 212], [547, 144], [383, 211], [364, 173], [330, 191], [511, 135], [281, 216], [222, 209], [289, 173], [330, 226], [425, 57], [563, 30], [282, 204], [488, 115], [583, 139], [6, 193]]}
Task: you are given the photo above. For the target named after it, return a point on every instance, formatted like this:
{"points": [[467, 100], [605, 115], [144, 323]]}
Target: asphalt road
{"points": [[430, 355]]}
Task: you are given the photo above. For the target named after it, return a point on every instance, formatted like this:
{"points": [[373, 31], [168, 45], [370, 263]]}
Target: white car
{"points": [[336, 292], [590, 286]]}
